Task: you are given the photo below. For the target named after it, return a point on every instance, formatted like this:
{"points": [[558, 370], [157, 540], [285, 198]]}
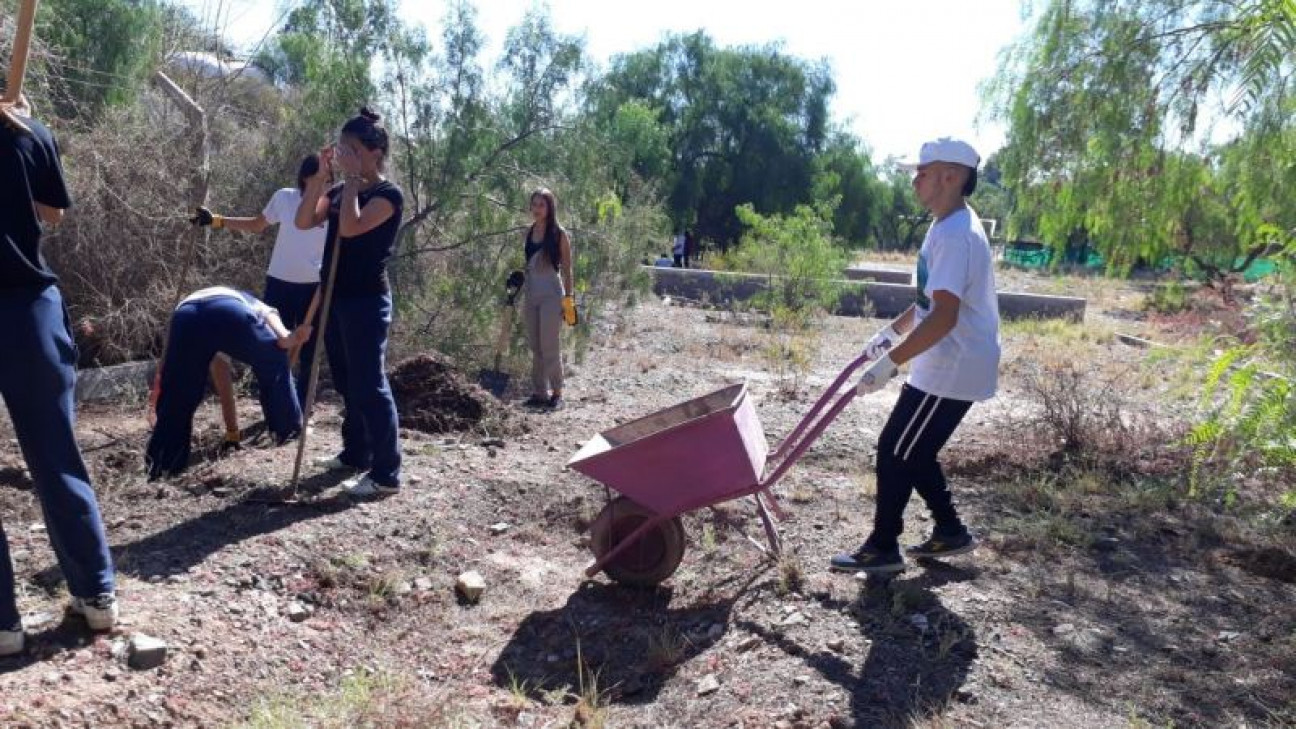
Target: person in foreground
{"points": [[363, 215], [37, 379], [951, 335], [208, 322]]}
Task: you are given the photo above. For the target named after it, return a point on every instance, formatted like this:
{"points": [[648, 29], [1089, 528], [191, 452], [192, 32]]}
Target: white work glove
{"points": [[876, 375], [882, 342]]}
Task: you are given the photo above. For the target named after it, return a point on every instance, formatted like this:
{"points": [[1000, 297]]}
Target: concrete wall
{"points": [[858, 298], [107, 383], [881, 274]]}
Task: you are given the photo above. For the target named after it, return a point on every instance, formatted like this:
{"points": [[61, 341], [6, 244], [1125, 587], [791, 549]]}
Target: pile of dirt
{"points": [[433, 396], [1269, 562]]}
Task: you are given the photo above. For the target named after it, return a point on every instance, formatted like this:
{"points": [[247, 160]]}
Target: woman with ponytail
{"points": [[363, 214]]}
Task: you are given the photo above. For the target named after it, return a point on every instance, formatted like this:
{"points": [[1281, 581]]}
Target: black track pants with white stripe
{"points": [[907, 461]]}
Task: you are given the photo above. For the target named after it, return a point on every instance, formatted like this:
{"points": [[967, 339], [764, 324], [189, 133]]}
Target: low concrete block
{"points": [[881, 274], [859, 298], [106, 383]]}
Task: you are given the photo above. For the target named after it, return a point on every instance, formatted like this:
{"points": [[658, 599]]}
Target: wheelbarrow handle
{"points": [[790, 442], [803, 444]]}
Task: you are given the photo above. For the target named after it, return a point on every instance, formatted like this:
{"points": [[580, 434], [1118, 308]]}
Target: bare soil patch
{"points": [[1095, 601]]}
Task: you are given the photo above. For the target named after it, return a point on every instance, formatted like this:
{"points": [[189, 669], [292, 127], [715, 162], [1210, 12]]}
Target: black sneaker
{"points": [[870, 560], [941, 546], [536, 401], [555, 403]]}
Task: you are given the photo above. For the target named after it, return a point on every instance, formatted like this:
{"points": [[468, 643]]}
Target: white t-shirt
{"points": [[955, 257], [297, 253], [216, 292]]}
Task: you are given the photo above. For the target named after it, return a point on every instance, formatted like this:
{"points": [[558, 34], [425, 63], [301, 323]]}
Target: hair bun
{"points": [[369, 114]]}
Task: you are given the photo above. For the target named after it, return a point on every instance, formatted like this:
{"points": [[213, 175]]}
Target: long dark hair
{"points": [[309, 167], [553, 231], [367, 127]]}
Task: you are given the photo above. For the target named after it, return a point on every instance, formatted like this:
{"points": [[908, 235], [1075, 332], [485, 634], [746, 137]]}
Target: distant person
{"points": [[38, 376], [208, 322], [677, 250], [953, 342], [547, 298], [364, 216], [293, 274], [690, 249], [664, 261]]}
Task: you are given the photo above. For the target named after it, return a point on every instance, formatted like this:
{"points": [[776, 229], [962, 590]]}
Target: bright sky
{"points": [[906, 70]]}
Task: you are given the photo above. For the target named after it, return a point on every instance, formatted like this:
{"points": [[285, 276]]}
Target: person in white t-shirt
{"points": [[293, 274], [951, 337]]}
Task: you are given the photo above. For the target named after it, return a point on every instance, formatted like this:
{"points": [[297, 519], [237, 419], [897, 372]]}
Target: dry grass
{"points": [[364, 699]]}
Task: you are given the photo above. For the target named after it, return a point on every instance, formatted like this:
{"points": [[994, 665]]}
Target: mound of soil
{"points": [[1270, 562], [433, 396]]}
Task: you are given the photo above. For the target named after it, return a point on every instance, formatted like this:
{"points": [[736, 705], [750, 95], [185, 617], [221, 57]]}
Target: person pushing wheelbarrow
{"points": [[951, 337]]}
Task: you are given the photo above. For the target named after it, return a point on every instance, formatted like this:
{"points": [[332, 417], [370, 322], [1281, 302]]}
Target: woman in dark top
{"points": [[363, 215], [547, 298]]}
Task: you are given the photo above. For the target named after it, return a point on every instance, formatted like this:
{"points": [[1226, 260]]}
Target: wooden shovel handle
{"points": [[21, 50], [505, 330]]}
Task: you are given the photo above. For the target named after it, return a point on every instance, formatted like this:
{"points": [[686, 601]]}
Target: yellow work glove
{"points": [[203, 216], [569, 311]]}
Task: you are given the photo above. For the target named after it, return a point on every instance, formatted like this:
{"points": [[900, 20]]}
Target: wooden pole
{"points": [[199, 187], [18, 64], [21, 50], [313, 386]]}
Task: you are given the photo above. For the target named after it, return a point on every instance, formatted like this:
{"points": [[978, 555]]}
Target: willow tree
{"points": [[1122, 115]]}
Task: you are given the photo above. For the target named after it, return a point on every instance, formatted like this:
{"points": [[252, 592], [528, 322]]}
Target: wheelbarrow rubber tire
{"points": [[653, 559]]}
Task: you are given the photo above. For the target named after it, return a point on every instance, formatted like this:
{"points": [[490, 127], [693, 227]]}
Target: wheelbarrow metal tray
{"points": [[697, 453]]}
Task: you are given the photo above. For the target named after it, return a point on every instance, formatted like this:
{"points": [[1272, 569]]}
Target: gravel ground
{"points": [[1104, 613]]}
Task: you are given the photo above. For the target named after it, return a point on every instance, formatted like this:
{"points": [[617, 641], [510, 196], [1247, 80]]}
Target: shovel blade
{"points": [[494, 382]]}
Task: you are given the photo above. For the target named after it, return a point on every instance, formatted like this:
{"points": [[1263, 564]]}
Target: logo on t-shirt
{"points": [[924, 303]]}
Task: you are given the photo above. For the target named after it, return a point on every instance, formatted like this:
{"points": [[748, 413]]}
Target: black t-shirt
{"points": [[362, 269], [29, 173]]}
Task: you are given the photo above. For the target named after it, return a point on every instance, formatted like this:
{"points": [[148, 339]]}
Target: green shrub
{"points": [[798, 255], [1249, 402], [1170, 298]]}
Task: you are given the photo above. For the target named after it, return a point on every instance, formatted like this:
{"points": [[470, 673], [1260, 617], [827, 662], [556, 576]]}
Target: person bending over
{"points": [[221, 320]]}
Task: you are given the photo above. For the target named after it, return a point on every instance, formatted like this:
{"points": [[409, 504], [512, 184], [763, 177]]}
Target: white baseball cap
{"points": [[945, 149]]}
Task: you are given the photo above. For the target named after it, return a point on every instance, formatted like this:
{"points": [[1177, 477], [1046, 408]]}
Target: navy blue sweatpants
{"points": [[37, 377], [199, 330], [356, 344], [293, 301]]}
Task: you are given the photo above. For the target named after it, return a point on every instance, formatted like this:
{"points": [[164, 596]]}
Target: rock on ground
{"points": [[146, 652], [471, 585]]}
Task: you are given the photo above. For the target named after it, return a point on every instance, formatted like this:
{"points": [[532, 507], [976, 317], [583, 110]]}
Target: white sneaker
{"points": [[363, 487], [12, 642], [100, 612], [332, 463]]}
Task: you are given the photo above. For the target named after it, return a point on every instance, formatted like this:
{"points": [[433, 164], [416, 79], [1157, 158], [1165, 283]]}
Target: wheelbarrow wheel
{"points": [[652, 558]]}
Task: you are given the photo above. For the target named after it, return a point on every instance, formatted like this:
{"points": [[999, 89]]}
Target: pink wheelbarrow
{"points": [[689, 456]]}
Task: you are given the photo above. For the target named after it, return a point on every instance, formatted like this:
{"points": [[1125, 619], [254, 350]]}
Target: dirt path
{"points": [[336, 614]]}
